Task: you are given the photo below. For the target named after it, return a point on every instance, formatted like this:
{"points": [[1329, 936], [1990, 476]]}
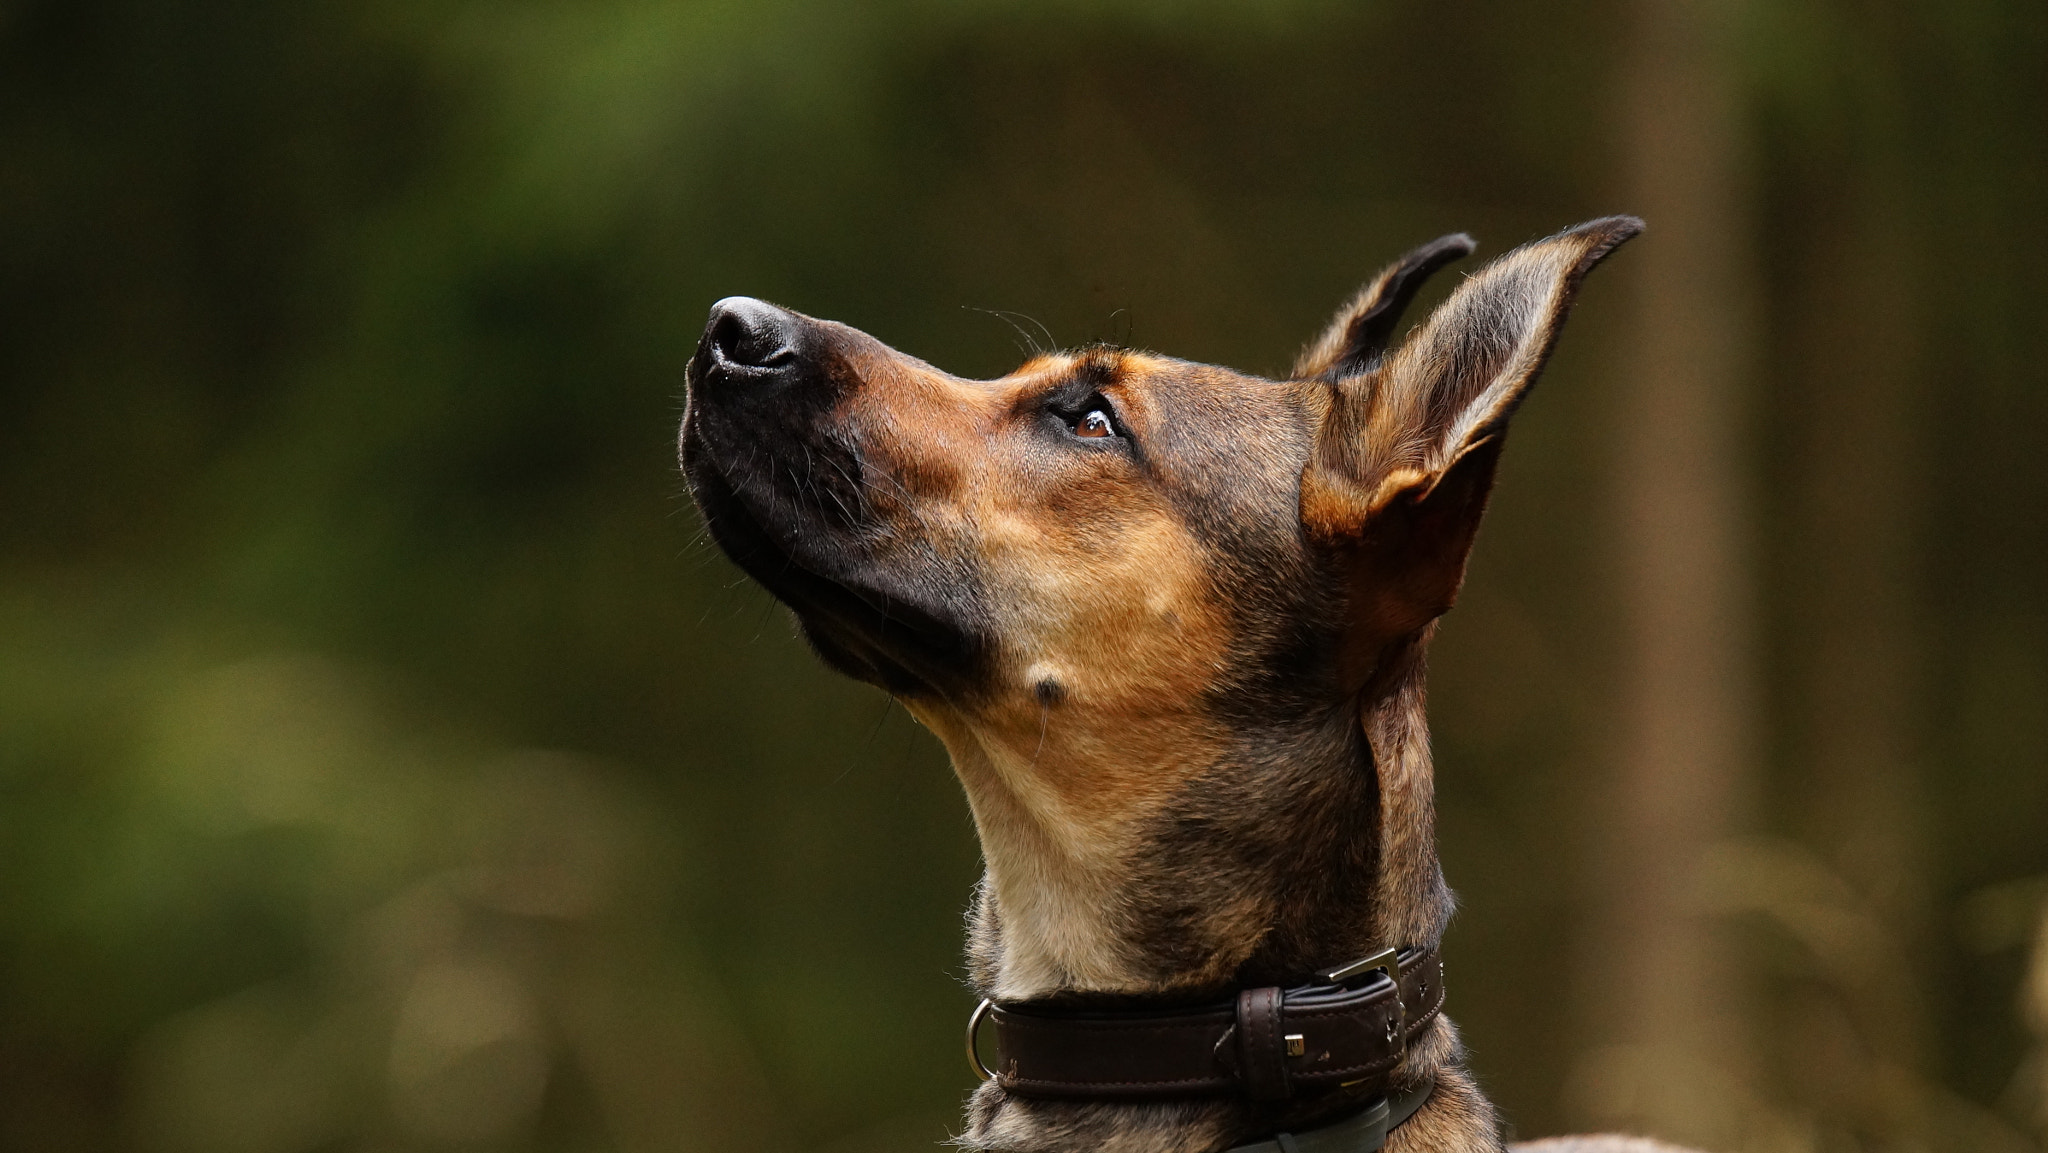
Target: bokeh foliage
{"points": [[386, 763]]}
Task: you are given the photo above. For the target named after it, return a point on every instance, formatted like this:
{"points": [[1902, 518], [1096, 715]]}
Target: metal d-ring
{"points": [[973, 1035]]}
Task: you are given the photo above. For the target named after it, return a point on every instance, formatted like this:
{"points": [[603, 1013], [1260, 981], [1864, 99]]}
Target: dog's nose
{"points": [[751, 333]]}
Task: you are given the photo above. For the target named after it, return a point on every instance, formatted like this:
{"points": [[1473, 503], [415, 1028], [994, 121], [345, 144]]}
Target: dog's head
{"points": [[1104, 574]]}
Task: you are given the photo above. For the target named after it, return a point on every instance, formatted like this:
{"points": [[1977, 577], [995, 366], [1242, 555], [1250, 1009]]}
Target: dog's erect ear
{"points": [[1358, 334], [1406, 457]]}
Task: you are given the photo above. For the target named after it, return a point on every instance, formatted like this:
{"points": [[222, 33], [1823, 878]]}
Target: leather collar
{"points": [[1351, 1029]]}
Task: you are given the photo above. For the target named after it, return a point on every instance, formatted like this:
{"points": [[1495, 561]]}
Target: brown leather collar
{"points": [[1269, 1044]]}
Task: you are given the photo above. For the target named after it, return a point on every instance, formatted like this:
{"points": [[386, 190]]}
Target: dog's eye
{"points": [[1088, 416]]}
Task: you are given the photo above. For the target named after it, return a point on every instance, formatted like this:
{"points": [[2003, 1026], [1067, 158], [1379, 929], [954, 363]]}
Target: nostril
{"points": [[749, 332]]}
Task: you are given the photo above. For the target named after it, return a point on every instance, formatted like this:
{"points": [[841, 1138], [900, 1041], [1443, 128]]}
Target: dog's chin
{"points": [[849, 618]]}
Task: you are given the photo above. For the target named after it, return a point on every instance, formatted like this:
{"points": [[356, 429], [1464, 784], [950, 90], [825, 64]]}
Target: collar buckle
{"points": [[1388, 959]]}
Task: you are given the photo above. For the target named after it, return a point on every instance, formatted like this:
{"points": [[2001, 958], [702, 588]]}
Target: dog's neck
{"points": [[1412, 903], [1329, 856]]}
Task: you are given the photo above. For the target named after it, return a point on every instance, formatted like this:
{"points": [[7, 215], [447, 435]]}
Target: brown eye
{"points": [[1096, 423]]}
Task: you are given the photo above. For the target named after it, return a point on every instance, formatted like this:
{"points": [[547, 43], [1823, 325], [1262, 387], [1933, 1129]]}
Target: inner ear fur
{"points": [[1407, 454]]}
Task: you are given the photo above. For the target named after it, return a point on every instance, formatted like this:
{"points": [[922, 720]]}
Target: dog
{"points": [[1169, 620]]}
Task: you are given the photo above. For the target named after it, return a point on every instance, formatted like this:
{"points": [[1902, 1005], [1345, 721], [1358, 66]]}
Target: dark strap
{"points": [[1261, 1045], [1267, 1044], [1362, 1132]]}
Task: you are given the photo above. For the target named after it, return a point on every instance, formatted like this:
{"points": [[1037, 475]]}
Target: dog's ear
{"points": [[1406, 456], [1358, 335]]}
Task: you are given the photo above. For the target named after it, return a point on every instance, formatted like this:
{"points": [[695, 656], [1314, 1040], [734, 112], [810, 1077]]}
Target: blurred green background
{"points": [[387, 764]]}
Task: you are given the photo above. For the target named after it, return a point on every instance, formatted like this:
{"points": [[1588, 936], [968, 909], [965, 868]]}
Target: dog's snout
{"points": [[751, 333]]}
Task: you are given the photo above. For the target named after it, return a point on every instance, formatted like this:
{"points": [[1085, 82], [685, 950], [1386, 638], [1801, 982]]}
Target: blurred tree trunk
{"points": [[1669, 1054], [1850, 539]]}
